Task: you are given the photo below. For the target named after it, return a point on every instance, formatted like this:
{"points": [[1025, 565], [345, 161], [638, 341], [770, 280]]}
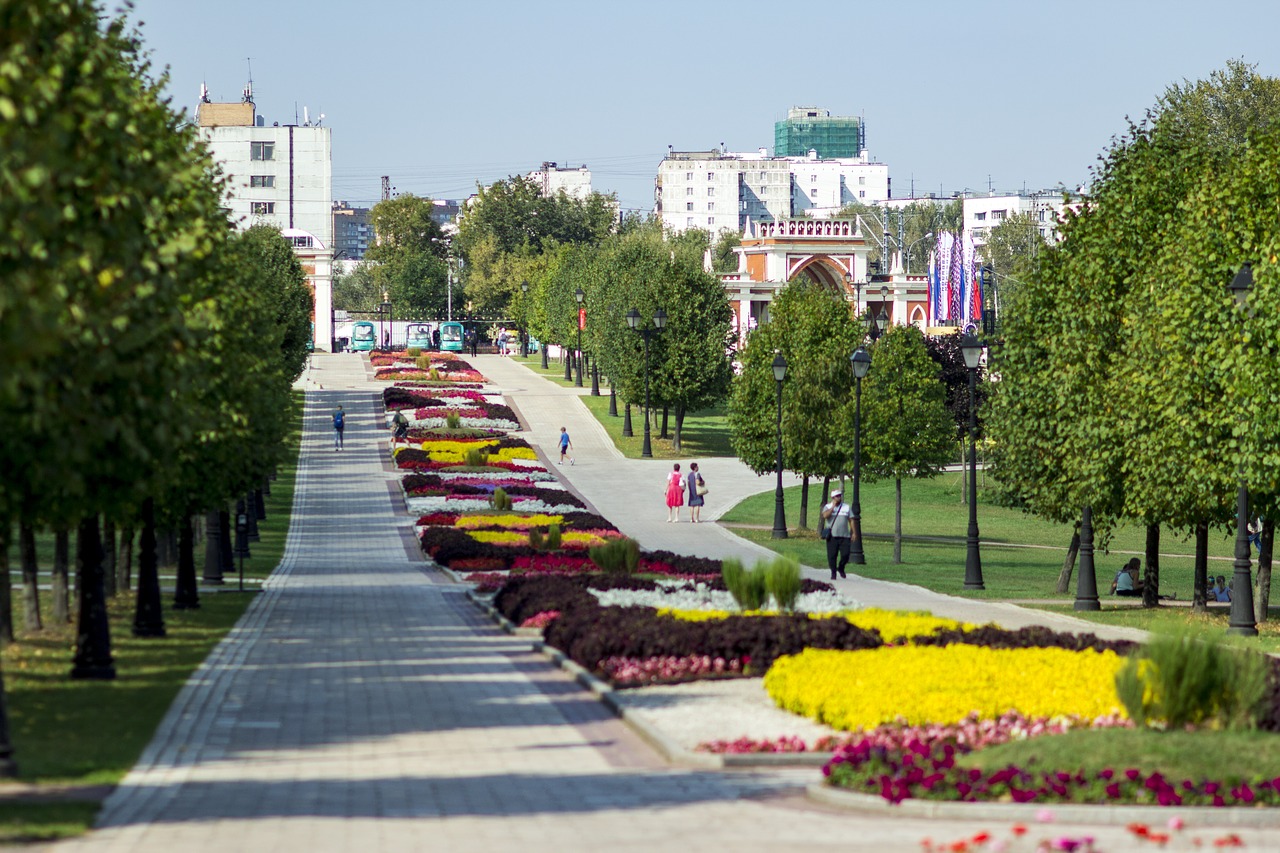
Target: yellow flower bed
{"points": [[500, 537], [929, 684], [455, 448], [892, 624], [586, 539], [509, 454], [514, 522]]}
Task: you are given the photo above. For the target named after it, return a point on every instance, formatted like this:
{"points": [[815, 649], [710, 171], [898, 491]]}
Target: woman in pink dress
{"points": [[675, 494]]}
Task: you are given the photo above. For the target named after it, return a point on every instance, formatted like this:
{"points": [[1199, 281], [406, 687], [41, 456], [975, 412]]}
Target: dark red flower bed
{"points": [[398, 397]]}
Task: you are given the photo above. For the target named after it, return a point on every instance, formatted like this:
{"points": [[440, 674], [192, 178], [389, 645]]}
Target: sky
{"points": [[979, 95]]}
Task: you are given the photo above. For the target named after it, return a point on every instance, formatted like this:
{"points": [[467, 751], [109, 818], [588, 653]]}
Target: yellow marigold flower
{"points": [[512, 521], [929, 684], [499, 537]]}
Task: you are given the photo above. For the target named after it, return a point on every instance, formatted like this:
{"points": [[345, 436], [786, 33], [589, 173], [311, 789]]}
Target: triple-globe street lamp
{"points": [[779, 511], [636, 322], [972, 349], [860, 361]]}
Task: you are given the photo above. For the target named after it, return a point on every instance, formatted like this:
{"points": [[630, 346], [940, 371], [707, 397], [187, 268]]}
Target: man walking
{"points": [[838, 516], [339, 423], [565, 444]]}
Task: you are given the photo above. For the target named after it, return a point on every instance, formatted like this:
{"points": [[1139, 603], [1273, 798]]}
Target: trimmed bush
{"points": [[474, 458], [782, 578], [618, 556], [413, 352], [501, 501], [535, 539], [553, 537], [734, 575], [453, 420]]}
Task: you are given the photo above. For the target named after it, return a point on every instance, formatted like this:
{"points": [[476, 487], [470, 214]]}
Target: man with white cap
{"points": [[837, 517]]}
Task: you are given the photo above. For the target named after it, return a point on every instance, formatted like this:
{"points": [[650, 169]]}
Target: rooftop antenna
{"points": [[320, 120], [204, 93], [247, 95], [306, 117]]}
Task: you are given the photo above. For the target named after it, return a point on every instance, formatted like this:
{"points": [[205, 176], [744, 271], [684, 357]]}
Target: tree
{"points": [[357, 290], [408, 262], [907, 430], [907, 227], [723, 258], [1010, 251]]}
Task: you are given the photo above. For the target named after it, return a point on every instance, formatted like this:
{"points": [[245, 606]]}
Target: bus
{"points": [[451, 337], [418, 335], [363, 337]]}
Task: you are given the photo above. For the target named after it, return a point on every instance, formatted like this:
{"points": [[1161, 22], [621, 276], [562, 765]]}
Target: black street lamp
{"points": [[779, 512], [1087, 582], [972, 349], [857, 294], [524, 311], [1242, 617], [635, 322], [860, 361], [579, 295], [384, 314]]}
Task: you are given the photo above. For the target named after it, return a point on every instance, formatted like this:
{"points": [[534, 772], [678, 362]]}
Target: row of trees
{"points": [[148, 352], [1129, 381]]}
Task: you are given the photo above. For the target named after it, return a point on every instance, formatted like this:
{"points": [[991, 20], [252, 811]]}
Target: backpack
{"points": [[338, 420]]}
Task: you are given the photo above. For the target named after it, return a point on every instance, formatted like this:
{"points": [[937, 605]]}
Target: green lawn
{"points": [[1021, 555], [82, 733], [704, 434], [1213, 621]]}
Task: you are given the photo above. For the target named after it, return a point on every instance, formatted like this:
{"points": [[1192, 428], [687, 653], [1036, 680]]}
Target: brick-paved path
{"points": [[362, 704]]}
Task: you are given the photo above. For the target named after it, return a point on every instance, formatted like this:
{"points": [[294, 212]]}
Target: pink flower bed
{"points": [[541, 620], [630, 672], [444, 411], [487, 581]]}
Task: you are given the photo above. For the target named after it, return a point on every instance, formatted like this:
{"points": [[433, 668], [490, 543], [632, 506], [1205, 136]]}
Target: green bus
{"points": [[451, 337], [364, 337]]}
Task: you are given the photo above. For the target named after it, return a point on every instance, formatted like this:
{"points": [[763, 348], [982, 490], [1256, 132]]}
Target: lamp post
{"points": [[860, 361], [779, 512], [384, 317], [635, 321], [1242, 617], [972, 349], [579, 295], [879, 322], [906, 261], [524, 311], [857, 293]]}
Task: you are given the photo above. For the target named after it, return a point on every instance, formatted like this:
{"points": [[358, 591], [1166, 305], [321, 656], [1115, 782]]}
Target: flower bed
{"points": [[922, 684], [634, 672], [896, 626]]}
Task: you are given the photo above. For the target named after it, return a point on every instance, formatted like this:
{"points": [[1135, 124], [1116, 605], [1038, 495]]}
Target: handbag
{"points": [[702, 487]]}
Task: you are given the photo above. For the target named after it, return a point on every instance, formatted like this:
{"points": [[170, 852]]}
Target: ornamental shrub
{"points": [[734, 576], [617, 556], [535, 539], [474, 458], [453, 420], [433, 374], [553, 537], [782, 579], [501, 501], [413, 352], [1183, 677]]}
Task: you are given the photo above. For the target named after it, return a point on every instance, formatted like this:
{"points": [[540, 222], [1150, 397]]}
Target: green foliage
{"points": [[414, 352], [750, 589], [474, 458], [408, 264], [617, 556], [535, 539], [782, 579], [453, 420], [553, 538], [1010, 251], [1182, 677], [733, 573]]}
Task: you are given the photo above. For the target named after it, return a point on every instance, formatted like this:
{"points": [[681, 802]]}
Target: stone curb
{"points": [[1196, 817], [656, 738]]}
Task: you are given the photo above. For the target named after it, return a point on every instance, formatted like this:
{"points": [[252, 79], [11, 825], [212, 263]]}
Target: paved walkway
{"points": [[361, 703], [629, 492]]}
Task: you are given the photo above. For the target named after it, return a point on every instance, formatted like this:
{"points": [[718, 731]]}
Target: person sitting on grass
{"points": [[1127, 582]]}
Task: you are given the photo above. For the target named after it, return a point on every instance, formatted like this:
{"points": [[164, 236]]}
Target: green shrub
{"points": [[434, 374], [501, 501], [452, 419], [782, 579], [413, 352], [535, 539], [1183, 677], [553, 537], [423, 361], [474, 458], [734, 575], [617, 556], [750, 589]]}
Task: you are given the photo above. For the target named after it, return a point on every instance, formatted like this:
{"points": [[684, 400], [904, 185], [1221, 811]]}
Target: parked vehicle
{"points": [[451, 337], [364, 337], [418, 335]]}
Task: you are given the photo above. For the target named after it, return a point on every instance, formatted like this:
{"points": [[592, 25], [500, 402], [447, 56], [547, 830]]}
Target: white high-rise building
{"points": [[1046, 209], [574, 180], [720, 191], [281, 176]]}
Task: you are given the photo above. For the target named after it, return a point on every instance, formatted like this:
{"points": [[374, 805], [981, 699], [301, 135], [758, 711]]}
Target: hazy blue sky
{"points": [[440, 95]]}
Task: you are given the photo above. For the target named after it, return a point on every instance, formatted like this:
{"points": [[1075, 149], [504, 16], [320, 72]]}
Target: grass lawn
{"points": [[705, 433], [1176, 754], [85, 733], [1213, 622], [1021, 555]]}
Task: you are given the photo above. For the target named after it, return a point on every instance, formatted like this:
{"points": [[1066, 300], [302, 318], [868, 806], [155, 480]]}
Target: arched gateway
{"points": [[833, 252]]}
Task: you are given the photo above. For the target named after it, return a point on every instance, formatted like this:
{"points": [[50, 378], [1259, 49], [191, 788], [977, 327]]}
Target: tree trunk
{"points": [[30, 578], [1069, 564], [1262, 596], [663, 434], [6, 587], [93, 633], [804, 503], [251, 516], [226, 551], [109, 556], [186, 593], [124, 566], [148, 621], [679, 428], [826, 490], [1200, 571], [212, 549], [60, 608], [259, 504], [1151, 578], [897, 521]]}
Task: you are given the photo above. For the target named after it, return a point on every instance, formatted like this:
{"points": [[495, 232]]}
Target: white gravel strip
{"points": [[724, 709], [682, 595]]}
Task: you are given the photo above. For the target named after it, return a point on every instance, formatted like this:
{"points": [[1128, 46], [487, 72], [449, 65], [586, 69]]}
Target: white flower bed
{"points": [[532, 477], [440, 503], [683, 595], [473, 423]]}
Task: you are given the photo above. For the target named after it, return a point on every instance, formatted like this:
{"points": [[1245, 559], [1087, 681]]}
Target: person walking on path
{"points": [[402, 425], [339, 424], [565, 444], [697, 488], [675, 494], [837, 516]]}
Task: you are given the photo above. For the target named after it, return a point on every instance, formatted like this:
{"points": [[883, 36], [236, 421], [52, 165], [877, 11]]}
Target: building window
{"points": [[1042, 216], [688, 190], [813, 179], [262, 180], [688, 205], [998, 215], [711, 191], [711, 205], [862, 180], [711, 220], [862, 193], [689, 222], [980, 216], [688, 176], [711, 176], [262, 151], [259, 207]]}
